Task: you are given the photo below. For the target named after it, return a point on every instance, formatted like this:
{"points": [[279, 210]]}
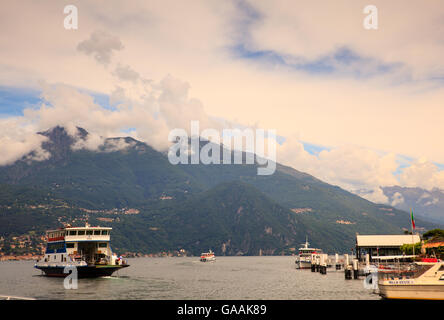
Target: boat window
{"points": [[72, 233], [70, 245], [102, 245], [97, 232], [104, 232], [81, 232], [89, 232]]}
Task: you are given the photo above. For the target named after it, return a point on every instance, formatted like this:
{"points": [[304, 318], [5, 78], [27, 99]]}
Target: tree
{"points": [[408, 248], [435, 233]]}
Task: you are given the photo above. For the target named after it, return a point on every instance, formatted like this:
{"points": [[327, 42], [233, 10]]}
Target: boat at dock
{"points": [[304, 259], [207, 256], [423, 280], [86, 248]]}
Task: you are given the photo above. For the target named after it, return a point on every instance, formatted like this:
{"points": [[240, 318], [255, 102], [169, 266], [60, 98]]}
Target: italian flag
{"points": [[413, 220]]}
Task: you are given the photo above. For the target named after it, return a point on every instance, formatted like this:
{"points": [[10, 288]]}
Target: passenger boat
{"points": [[85, 248], [422, 280], [303, 261], [207, 256]]}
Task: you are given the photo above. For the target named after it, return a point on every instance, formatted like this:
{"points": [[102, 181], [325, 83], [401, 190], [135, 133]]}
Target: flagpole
{"points": [[411, 222]]}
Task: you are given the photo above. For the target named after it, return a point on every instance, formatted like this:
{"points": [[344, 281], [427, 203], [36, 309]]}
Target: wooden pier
{"points": [[350, 265]]}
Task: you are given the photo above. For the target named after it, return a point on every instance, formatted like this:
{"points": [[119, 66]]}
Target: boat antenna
{"points": [[306, 241]]}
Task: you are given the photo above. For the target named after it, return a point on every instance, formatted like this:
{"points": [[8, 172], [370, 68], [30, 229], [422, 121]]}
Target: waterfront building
{"points": [[382, 245]]}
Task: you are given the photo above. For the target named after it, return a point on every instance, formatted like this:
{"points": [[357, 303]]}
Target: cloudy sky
{"points": [[357, 108]]}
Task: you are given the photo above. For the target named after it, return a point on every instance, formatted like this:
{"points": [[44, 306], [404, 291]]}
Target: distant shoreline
{"points": [[19, 258], [35, 258]]}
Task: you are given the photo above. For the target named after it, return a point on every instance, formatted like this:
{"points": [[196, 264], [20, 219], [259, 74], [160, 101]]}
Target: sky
{"points": [[357, 108]]}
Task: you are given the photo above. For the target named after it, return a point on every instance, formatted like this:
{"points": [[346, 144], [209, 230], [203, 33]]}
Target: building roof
{"points": [[386, 240], [433, 244]]}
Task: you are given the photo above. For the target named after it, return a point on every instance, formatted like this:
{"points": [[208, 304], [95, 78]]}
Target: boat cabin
{"points": [[89, 244]]}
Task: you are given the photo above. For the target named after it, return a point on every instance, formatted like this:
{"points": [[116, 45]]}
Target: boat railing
{"points": [[387, 271], [90, 260]]}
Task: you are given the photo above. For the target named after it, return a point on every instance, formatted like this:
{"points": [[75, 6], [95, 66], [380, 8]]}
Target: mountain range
{"points": [[155, 206], [427, 204]]}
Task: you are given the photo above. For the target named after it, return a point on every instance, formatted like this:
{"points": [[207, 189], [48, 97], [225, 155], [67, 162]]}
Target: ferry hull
{"points": [[82, 271], [207, 259], [304, 265], [421, 292]]}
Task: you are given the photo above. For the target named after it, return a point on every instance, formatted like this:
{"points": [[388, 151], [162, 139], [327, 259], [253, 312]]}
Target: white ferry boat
{"points": [[207, 256], [418, 280], [303, 261], [87, 248]]}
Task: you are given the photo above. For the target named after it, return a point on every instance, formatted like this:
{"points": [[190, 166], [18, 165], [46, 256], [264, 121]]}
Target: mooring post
{"points": [[347, 268], [313, 263], [355, 268], [318, 261], [338, 265], [324, 258]]}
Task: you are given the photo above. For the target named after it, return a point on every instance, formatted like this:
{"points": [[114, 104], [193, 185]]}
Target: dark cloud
{"points": [[101, 45]]}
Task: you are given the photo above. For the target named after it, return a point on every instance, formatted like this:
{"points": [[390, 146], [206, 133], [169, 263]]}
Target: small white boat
{"points": [[303, 261], [419, 280], [207, 256]]}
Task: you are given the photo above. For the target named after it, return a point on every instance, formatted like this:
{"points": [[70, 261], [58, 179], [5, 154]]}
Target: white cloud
{"points": [[422, 173], [18, 140], [431, 202], [406, 34], [151, 109], [397, 198], [92, 142], [350, 167], [362, 171], [113, 145], [425, 195], [376, 195], [193, 41]]}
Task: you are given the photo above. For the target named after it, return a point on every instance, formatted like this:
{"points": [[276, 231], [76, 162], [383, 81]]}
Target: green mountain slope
{"points": [[232, 218], [106, 179], [227, 208]]}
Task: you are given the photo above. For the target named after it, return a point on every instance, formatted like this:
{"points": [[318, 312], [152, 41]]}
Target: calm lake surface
{"points": [[185, 278]]}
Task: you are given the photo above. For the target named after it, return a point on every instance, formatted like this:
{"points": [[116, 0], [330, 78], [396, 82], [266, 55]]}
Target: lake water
{"points": [[184, 278]]}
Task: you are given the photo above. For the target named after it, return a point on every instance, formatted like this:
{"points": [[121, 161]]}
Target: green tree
{"points": [[435, 233], [408, 248]]}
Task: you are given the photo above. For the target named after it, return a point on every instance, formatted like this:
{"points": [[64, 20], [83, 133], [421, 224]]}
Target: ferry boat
{"points": [[86, 248], [422, 280], [303, 261], [207, 256]]}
